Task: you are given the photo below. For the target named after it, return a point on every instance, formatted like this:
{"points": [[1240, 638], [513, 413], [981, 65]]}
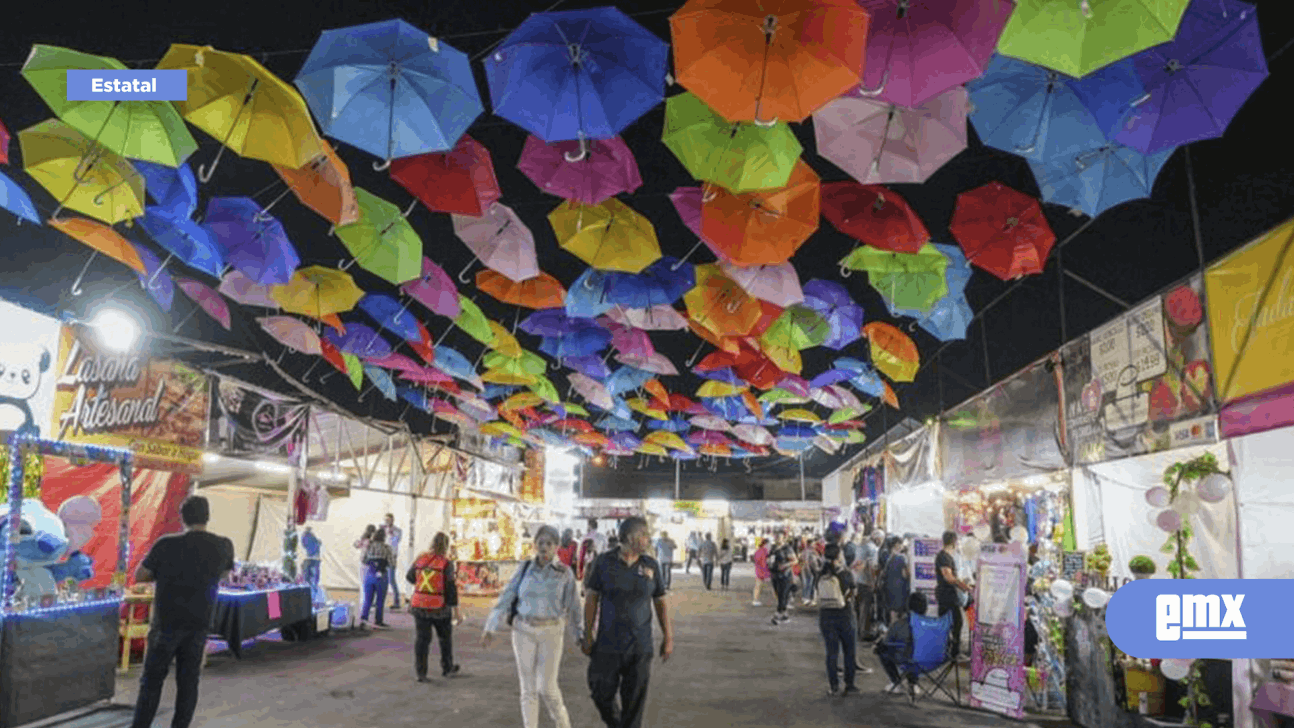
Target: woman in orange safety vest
{"points": [[434, 605]]}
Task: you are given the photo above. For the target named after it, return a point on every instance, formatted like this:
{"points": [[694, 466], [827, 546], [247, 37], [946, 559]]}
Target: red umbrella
{"points": [[874, 215], [332, 355], [459, 181], [1002, 231], [4, 144]]}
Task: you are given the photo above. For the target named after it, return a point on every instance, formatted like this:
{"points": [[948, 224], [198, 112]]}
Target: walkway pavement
{"points": [[731, 668]]}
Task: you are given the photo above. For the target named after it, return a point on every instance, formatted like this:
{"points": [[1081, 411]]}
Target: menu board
{"points": [[1073, 564], [997, 680], [924, 551]]}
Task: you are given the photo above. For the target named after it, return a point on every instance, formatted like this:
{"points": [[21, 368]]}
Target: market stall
{"points": [[243, 615]]}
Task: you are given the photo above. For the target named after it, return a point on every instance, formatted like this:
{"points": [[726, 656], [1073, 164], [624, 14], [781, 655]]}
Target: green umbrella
{"points": [[470, 319], [907, 280], [738, 157], [574, 409], [384, 243], [543, 387], [354, 369], [1077, 38], [777, 394], [152, 131], [847, 413], [799, 327]]}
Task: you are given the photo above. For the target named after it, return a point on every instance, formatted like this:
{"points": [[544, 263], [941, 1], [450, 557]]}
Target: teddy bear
{"points": [[22, 367], [45, 538]]}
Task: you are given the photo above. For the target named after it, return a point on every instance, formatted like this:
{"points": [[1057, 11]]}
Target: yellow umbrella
{"points": [[504, 342], [786, 359], [501, 429], [521, 400], [545, 389], [80, 174], [248, 109], [609, 236], [713, 388], [529, 362], [648, 448], [508, 374], [318, 291], [667, 439], [799, 415], [638, 404]]}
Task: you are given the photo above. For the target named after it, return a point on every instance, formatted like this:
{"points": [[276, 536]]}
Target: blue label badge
{"points": [[109, 85], [1202, 618]]}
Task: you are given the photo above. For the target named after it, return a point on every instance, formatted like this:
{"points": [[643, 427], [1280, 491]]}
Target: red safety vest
{"points": [[429, 583]]}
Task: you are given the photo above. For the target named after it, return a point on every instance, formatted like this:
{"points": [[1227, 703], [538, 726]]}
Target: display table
{"points": [[244, 615]]}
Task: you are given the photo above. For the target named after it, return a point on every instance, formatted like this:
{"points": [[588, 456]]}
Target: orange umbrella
{"points": [[656, 389], [323, 185], [726, 343], [542, 291], [890, 397], [101, 239], [719, 304], [775, 59], [764, 227], [893, 353]]}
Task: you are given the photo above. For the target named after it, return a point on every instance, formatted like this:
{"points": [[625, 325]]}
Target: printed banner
{"points": [[924, 551], [1141, 383], [28, 344], [157, 408], [997, 680], [532, 481], [246, 423]]}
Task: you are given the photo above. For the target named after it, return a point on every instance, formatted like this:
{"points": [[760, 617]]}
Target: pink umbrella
{"points": [[448, 412], [246, 291], [395, 361], [654, 362], [426, 375], [711, 422], [838, 396], [708, 437], [500, 240], [477, 408], [435, 290], [207, 299], [687, 201], [656, 318], [591, 390], [606, 169], [628, 340], [795, 384], [754, 434], [826, 444], [292, 333], [879, 143], [917, 49], [777, 284]]}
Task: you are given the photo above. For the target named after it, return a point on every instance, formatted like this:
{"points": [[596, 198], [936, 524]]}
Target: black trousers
{"points": [[184, 648], [955, 634], [623, 673], [691, 556], [667, 572], [422, 643], [707, 574], [725, 574], [782, 588]]}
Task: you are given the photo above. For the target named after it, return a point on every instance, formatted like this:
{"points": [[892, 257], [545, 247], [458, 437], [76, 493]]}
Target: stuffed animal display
{"points": [[45, 538]]}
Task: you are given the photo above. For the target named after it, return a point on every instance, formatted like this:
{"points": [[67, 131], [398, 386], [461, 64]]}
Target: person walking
{"points": [[361, 545], [541, 604], [812, 564], [781, 565], [836, 619], [665, 547], [622, 588], [708, 553], [593, 544], [567, 551], [865, 571], [947, 586], [760, 559], [393, 536], [725, 565], [377, 566], [186, 569], [898, 579], [434, 606], [693, 546]]}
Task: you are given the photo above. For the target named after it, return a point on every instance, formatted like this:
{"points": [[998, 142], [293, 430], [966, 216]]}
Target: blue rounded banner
{"points": [[1202, 618]]}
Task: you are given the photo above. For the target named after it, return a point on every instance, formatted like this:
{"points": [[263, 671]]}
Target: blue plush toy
{"points": [[44, 539]]}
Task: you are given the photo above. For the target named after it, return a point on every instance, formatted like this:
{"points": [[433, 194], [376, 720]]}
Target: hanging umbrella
{"points": [[1079, 39], [879, 143], [785, 358], [626, 340], [799, 327], [756, 63], [949, 317], [155, 279], [174, 189], [656, 318], [609, 236], [606, 169], [660, 284], [715, 388], [1197, 82], [655, 362], [753, 434], [504, 342], [16, 200], [333, 356], [577, 74], [323, 185], [382, 240], [136, 129], [390, 315], [582, 341], [765, 227], [520, 400], [542, 291], [207, 299], [390, 72], [552, 322], [381, 380], [435, 290], [101, 239], [249, 110], [4, 144], [500, 240], [588, 295], [874, 215], [843, 315], [80, 174], [626, 379], [892, 351], [188, 241], [687, 203], [913, 280], [717, 303], [592, 366], [292, 333], [1099, 178], [402, 363], [251, 240], [799, 415], [593, 391], [360, 340], [455, 364], [238, 287], [460, 181], [1002, 231], [736, 156], [317, 291], [472, 321], [777, 284]]}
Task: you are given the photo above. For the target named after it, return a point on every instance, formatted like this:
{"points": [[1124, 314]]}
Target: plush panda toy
{"points": [[22, 367]]}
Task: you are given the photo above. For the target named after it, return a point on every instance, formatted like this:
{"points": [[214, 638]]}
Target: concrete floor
{"points": [[730, 668]]}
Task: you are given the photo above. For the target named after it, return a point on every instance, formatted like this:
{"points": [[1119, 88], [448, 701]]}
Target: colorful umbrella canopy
{"points": [[588, 295], [435, 290], [1099, 178], [918, 50], [317, 291], [251, 240], [542, 291], [736, 156], [101, 239], [390, 315], [323, 185], [583, 341], [879, 143], [500, 240], [577, 74], [390, 89], [777, 284], [136, 129], [238, 287], [472, 321], [950, 315], [1002, 231], [843, 315], [606, 168], [656, 318], [80, 174], [609, 236], [174, 189], [717, 303], [892, 351], [381, 381], [908, 280], [382, 240], [460, 181], [593, 391], [799, 327], [16, 200], [188, 241], [659, 284], [764, 227], [292, 333], [654, 362], [752, 63], [1050, 33], [360, 340], [207, 299], [874, 215]]}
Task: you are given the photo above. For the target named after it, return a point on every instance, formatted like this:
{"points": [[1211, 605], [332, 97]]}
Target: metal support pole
{"points": [[803, 495], [677, 477], [988, 374]]}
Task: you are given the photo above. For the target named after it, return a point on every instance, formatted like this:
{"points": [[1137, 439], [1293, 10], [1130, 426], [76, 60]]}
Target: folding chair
{"points": [[932, 657]]}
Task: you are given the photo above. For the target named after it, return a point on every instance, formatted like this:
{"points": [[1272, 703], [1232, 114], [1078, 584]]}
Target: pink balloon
{"points": [[1158, 496], [1169, 520], [80, 509]]}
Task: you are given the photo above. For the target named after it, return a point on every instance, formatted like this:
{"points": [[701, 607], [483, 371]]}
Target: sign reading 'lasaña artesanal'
{"points": [[1202, 618], [112, 85]]}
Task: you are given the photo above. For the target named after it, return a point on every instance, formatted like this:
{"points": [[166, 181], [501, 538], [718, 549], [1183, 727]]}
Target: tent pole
{"points": [[677, 467], [802, 493]]}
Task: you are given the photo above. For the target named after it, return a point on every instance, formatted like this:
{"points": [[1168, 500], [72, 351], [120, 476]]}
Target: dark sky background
{"points": [[1244, 183]]}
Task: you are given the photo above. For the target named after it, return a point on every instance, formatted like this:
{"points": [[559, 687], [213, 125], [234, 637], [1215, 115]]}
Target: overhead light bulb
{"points": [[116, 329], [210, 457]]}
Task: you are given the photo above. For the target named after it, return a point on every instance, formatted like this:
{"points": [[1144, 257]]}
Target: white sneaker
{"points": [[893, 688], [756, 604]]}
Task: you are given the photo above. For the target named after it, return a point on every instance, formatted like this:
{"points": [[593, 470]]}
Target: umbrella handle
{"points": [[845, 272], [765, 124], [204, 174], [874, 92], [583, 153], [679, 263], [381, 166], [409, 210], [463, 272], [345, 265], [153, 278], [76, 284]]}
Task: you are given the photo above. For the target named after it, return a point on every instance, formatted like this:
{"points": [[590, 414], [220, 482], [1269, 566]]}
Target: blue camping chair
{"points": [[931, 656]]}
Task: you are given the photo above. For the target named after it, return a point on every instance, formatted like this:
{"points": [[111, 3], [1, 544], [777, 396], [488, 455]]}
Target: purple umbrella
{"points": [[626, 441], [551, 322], [590, 366], [687, 201], [723, 374], [583, 341], [917, 49], [207, 299], [155, 280], [606, 169], [1197, 82], [246, 291], [833, 302], [252, 241], [360, 340], [435, 290], [831, 376]]}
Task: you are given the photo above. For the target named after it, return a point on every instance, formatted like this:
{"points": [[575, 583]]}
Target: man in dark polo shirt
{"points": [[621, 589], [946, 587]]}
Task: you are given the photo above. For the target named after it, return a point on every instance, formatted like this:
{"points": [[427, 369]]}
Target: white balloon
{"points": [[1096, 598], [1169, 520], [80, 509], [1062, 590], [1175, 668], [1213, 488], [1158, 496]]}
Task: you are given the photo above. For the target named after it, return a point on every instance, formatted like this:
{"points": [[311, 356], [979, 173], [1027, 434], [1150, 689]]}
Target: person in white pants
{"points": [[541, 604]]}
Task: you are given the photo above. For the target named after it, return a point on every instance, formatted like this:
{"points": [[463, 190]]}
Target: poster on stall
{"points": [[156, 408], [247, 423], [924, 551], [997, 681], [1141, 383], [28, 344], [532, 480]]}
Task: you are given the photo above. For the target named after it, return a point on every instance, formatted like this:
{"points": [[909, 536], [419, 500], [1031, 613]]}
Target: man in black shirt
{"points": [[187, 569], [621, 589], [947, 586]]}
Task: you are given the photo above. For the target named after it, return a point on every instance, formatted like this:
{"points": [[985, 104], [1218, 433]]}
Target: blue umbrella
{"points": [[683, 455], [381, 380], [659, 284], [390, 315], [414, 397], [185, 239], [673, 424], [723, 374], [155, 280], [582, 341], [798, 430], [750, 419], [833, 302], [174, 189], [1100, 177], [587, 297], [1039, 113], [454, 364], [949, 317], [359, 339], [831, 376], [592, 366], [250, 240], [551, 322], [729, 408], [577, 74], [627, 379], [390, 89], [16, 200], [626, 440], [611, 423], [495, 391]]}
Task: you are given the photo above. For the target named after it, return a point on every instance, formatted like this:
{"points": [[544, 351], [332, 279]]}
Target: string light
{"points": [[60, 608]]}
